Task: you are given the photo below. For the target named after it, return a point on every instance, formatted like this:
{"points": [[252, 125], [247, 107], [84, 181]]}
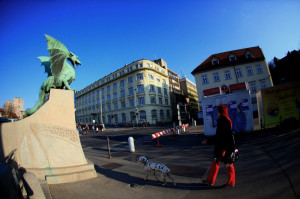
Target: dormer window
{"points": [[214, 61], [248, 54], [232, 57]]}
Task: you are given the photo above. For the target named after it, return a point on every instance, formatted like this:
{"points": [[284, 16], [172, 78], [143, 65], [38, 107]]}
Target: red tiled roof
{"points": [[224, 61]]}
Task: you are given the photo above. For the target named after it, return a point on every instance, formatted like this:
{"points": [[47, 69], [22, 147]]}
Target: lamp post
{"points": [[136, 109], [101, 120]]}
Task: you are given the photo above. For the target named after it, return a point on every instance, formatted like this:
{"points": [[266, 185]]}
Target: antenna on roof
{"points": [[182, 74]]}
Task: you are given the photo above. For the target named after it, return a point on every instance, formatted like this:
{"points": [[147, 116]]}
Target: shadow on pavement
{"points": [[128, 179]]}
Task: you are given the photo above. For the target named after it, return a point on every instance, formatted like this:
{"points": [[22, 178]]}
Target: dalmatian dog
{"points": [[154, 167]]}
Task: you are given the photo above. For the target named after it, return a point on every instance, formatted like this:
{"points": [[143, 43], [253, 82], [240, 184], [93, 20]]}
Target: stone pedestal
{"points": [[48, 143]]}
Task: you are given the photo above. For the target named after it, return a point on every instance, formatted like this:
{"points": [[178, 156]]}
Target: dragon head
{"points": [[74, 59]]}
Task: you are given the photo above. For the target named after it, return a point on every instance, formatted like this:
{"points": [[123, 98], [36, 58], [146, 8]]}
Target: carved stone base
{"points": [[48, 143]]}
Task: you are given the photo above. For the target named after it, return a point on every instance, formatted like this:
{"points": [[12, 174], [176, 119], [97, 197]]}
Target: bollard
{"points": [[108, 147], [131, 144]]}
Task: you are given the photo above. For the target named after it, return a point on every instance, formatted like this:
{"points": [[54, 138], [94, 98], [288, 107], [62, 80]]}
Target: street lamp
{"points": [[136, 109], [101, 120]]}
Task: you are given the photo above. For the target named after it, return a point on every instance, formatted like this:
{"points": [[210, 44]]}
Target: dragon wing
{"points": [[47, 63], [58, 54]]}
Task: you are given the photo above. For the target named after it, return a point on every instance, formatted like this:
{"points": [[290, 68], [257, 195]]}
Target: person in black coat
{"points": [[224, 146]]}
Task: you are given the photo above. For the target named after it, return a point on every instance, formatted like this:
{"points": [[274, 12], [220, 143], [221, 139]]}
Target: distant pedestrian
{"points": [[115, 126], [144, 124], [93, 127], [101, 127], [224, 145], [86, 129], [97, 128]]}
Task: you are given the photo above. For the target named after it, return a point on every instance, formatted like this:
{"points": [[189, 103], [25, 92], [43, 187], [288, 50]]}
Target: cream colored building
{"points": [[244, 65], [140, 88]]}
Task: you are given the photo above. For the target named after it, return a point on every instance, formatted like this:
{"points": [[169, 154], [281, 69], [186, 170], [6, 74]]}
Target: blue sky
{"points": [[109, 33]]}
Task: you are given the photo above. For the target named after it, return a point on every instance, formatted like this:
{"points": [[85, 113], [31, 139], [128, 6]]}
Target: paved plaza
{"points": [[268, 166]]}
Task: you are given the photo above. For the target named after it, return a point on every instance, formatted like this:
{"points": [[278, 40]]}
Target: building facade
{"points": [[244, 65], [189, 90], [139, 89], [176, 94], [15, 106]]}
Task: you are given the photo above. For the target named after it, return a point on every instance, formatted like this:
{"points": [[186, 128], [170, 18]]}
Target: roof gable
{"points": [[224, 61]]}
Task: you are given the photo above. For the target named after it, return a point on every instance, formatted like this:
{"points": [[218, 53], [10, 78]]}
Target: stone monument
{"points": [[47, 143]]}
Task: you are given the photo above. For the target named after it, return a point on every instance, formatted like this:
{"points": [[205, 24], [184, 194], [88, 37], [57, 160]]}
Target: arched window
{"points": [[123, 117], [154, 114], [143, 115], [248, 54], [232, 57], [168, 114], [161, 114], [214, 61]]}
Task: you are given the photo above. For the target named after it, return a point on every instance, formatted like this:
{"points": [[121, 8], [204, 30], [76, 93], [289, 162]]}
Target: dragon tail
{"points": [[39, 104]]}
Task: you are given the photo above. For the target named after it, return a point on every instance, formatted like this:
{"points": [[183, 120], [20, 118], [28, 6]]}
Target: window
{"points": [[108, 97], [232, 57], [141, 65], [103, 107], [122, 93], [151, 88], [154, 115], [160, 100], [253, 87], [108, 88], [108, 107], [123, 104], [258, 69], [115, 85], [143, 115], [157, 79], [115, 95], [216, 77], [153, 99], [103, 100], [116, 119], [122, 83], [131, 103], [227, 74], [123, 115], [214, 61], [102, 91], [150, 76], [98, 101], [262, 84], [130, 91], [165, 91], [166, 102], [141, 100], [98, 92], [161, 114], [249, 70], [115, 106], [130, 80], [238, 72], [164, 82], [204, 79], [140, 88], [139, 76], [136, 66], [159, 89], [248, 55]]}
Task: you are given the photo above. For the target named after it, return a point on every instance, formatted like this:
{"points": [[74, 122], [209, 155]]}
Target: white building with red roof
{"points": [[246, 65]]}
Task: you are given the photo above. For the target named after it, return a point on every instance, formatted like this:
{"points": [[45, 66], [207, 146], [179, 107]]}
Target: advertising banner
{"points": [[280, 103], [239, 108]]}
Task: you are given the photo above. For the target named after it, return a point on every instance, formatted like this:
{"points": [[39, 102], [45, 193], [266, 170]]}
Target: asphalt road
{"points": [[268, 166]]}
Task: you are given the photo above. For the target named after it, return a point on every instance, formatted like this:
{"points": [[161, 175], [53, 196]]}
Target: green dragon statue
{"points": [[60, 73]]}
